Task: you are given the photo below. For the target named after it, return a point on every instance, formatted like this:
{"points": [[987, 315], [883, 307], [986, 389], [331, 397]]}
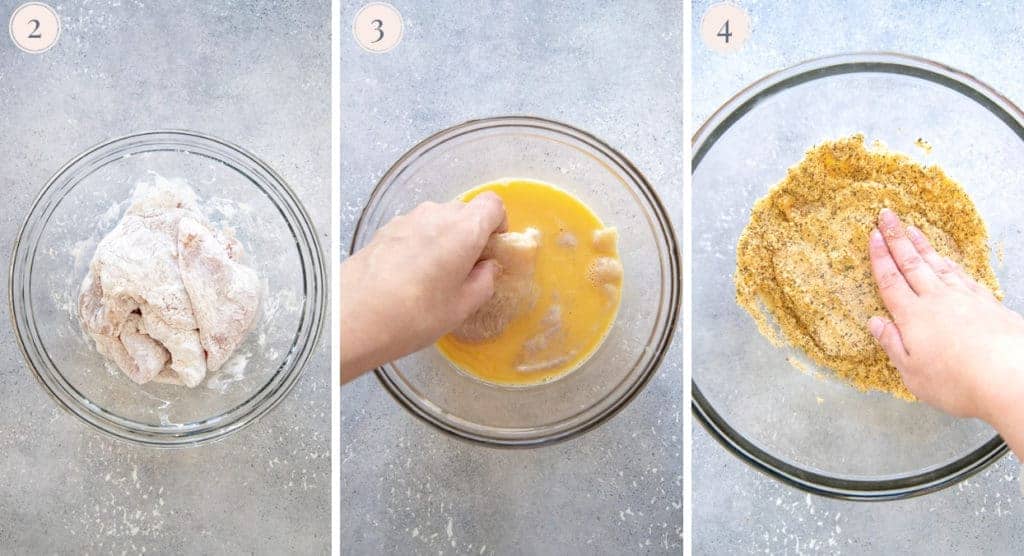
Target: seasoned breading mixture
{"points": [[803, 257]]}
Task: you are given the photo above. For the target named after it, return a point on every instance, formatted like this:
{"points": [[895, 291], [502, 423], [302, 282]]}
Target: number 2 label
{"points": [[34, 27], [35, 30]]}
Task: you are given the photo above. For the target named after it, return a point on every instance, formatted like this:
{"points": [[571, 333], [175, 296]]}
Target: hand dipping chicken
{"points": [[557, 293]]}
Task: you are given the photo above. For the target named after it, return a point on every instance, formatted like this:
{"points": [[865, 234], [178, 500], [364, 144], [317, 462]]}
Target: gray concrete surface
{"points": [[737, 510], [611, 70], [256, 74]]}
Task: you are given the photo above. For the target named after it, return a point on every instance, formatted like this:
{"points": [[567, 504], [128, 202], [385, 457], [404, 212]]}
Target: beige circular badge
{"points": [[34, 27], [725, 27], [378, 27]]}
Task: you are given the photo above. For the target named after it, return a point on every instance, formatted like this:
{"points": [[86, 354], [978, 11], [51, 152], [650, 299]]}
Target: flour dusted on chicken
{"points": [[166, 297], [223, 292]]}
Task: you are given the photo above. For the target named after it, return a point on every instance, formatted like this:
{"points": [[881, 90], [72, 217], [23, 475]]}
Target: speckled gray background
{"points": [[615, 71], [736, 509], [256, 74]]}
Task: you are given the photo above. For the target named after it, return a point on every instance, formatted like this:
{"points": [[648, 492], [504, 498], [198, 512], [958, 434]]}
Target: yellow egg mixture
{"points": [[577, 278]]}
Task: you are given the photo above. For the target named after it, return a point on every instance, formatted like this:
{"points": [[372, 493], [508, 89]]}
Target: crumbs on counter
{"points": [[797, 364], [924, 145]]}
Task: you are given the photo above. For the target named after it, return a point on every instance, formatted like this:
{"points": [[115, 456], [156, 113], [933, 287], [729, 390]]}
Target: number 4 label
{"points": [[725, 27], [724, 32]]}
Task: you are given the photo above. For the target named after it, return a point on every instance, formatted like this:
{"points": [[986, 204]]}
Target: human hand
{"points": [[419, 278], [955, 345]]}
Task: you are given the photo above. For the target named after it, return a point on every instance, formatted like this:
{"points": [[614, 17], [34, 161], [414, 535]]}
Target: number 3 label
{"points": [[725, 27], [378, 27], [34, 27]]}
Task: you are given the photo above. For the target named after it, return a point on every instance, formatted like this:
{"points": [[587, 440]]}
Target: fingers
{"points": [[917, 272], [940, 265], [888, 335], [489, 211], [945, 268], [969, 280], [478, 287], [964, 277], [892, 286]]}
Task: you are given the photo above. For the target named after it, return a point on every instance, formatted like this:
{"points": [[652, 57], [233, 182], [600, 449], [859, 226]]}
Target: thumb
{"points": [[478, 287], [888, 335]]}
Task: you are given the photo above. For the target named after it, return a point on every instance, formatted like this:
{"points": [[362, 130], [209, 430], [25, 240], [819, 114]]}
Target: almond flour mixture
{"points": [[803, 257], [165, 297]]}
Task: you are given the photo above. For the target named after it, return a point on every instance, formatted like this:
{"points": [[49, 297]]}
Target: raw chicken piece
{"points": [[606, 241], [546, 349], [604, 270], [567, 240], [224, 293], [188, 361], [514, 290], [134, 302], [119, 333], [148, 356], [551, 330]]}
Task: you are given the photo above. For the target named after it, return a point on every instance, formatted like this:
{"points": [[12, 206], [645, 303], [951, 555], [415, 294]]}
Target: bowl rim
{"points": [[674, 298], [316, 279], [715, 126]]}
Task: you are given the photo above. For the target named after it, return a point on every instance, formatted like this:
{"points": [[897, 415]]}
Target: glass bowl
{"points": [[809, 429], [82, 202], [450, 162]]}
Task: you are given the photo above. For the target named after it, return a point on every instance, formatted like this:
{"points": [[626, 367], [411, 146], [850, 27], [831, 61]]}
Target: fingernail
{"points": [[876, 325], [876, 237], [888, 217], [913, 232]]}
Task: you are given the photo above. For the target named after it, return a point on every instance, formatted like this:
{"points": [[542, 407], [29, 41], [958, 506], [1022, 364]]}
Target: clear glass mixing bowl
{"points": [[459, 158], [82, 202], [822, 435]]}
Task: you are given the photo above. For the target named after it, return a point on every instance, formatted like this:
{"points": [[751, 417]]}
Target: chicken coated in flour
{"points": [[166, 298]]}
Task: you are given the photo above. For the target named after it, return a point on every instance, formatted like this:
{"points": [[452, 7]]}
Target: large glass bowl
{"points": [[820, 434], [457, 159], [82, 202]]}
